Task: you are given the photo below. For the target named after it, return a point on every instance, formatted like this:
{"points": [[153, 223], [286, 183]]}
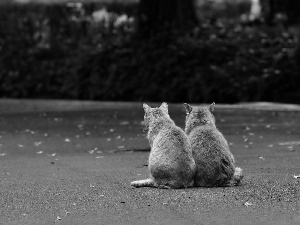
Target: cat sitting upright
{"points": [[171, 163], [215, 164]]}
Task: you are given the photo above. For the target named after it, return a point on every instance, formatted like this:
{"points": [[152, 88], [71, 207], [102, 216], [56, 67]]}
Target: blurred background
{"points": [[225, 51]]}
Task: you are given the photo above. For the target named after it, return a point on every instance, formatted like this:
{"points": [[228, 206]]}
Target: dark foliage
{"points": [[156, 16], [59, 51]]}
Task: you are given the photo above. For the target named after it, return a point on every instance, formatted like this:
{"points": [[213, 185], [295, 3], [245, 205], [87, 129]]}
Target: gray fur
{"points": [[215, 164], [171, 162]]}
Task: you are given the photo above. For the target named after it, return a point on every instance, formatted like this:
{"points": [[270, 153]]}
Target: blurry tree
{"points": [[255, 11], [165, 16], [281, 11]]}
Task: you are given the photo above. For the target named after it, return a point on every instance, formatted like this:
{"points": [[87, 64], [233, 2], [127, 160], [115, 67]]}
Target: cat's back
{"points": [[170, 145], [174, 135], [171, 137], [208, 138], [206, 133]]}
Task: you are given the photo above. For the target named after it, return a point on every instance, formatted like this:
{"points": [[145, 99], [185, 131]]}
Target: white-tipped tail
{"points": [[143, 183], [148, 183], [237, 176]]}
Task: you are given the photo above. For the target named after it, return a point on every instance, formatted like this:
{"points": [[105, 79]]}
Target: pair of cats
{"points": [[198, 157]]}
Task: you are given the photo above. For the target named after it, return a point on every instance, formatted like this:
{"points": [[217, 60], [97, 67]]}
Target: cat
{"points": [[215, 164], [171, 162]]}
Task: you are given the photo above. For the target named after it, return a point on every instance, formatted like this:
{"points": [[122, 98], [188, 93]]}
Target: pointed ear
{"points": [[164, 107], [188, 108], [212, 107], [146, 107]]}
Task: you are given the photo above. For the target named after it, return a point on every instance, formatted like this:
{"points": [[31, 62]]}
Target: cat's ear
{"points": [[164, 107], [146, 107], [211, 107], [188, 108]]}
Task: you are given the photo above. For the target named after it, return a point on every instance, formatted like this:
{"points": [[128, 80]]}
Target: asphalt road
{"points": [[68, 162]]}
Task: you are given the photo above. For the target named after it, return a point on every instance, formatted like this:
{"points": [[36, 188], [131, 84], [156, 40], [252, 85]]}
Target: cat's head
{"points": [[153, 115], [199, 115]]}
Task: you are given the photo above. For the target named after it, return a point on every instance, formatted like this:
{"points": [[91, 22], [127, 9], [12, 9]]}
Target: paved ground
{"points": [[72, 163]]}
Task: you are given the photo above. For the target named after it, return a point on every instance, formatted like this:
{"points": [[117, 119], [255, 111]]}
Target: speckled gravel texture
{"points": [[67, 162]]}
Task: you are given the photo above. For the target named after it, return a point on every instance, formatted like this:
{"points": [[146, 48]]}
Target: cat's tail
{"points": [[148, 183], [237, 177], [143, 183]]}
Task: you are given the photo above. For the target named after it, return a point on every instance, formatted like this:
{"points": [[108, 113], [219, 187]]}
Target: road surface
{"points": [[68, 162]]}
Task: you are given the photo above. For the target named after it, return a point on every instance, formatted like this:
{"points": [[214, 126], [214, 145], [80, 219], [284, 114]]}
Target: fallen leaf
{"points": [[124, 123], [21, 146], [248, 203], [291, 149], [37, 143], [40, 152], [67, 140]]}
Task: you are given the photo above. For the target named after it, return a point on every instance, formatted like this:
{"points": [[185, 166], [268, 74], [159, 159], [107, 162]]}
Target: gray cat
{"points": [[171, 162], [215, 164]]}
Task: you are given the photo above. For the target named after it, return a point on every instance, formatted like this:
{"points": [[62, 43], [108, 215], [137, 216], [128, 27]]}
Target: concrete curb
{"points": [[29, 105]]}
